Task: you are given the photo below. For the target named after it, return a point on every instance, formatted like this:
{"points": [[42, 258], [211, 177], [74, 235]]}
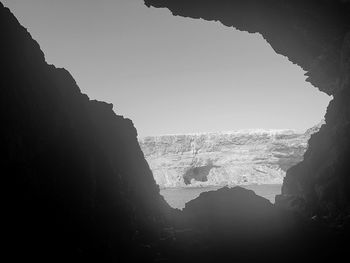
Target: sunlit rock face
{"points": [[227, 158]]}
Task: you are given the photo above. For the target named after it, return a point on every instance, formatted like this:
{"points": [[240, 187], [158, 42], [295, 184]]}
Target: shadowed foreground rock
{"points": [[237, 211], [79, 188], [234, 224]]}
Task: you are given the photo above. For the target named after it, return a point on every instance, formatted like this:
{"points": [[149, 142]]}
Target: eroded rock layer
{"points": [[226, 158]]}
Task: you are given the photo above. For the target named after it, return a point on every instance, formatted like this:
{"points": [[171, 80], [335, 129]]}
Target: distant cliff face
{"points": [[231, 158]]}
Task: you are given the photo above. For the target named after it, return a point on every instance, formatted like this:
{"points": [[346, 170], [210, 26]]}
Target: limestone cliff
{"points": [[226, 158]]}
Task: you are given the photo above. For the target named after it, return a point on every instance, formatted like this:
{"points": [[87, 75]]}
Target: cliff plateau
{"points": [[225, 158]]}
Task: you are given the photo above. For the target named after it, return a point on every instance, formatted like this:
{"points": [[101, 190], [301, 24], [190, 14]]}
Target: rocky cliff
{"points": [[226, 158], [315, 34]]}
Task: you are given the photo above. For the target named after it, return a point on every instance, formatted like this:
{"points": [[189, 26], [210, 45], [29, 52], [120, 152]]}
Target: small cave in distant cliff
{"points": [[199, 173]]}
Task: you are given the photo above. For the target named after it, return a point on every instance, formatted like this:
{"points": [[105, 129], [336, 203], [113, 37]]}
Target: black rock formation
{"points": [[236, 212], [236, 225], [315, 34], [79, 187]]}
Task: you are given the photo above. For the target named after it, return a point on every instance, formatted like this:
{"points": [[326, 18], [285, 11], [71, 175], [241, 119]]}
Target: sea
{"points": [[178, 197]]}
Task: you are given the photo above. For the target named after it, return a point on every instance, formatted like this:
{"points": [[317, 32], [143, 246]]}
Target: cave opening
{"points": [[80, 186], [213, 105], [198, 173]]}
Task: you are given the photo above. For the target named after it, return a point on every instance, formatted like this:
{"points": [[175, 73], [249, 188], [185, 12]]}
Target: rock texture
{"points": [[315, 34], [76, 185], [227, 158], [236, 225]]}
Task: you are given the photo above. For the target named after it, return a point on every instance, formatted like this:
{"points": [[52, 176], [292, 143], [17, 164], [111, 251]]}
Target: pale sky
{"points": [[171, 74]]}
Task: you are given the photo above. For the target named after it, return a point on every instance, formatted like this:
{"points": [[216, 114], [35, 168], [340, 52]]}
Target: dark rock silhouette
{"points": [[230, 210], [79, 186], [234, 224], [80, 190], [315, 34]]}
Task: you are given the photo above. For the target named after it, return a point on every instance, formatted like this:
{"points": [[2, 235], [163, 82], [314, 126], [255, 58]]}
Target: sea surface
{"points": [[178, 197]]}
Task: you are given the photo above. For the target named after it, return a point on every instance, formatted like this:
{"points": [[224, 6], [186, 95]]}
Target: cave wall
{"points": [[315, 34], [77, 185]]}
